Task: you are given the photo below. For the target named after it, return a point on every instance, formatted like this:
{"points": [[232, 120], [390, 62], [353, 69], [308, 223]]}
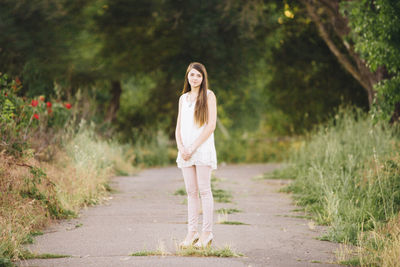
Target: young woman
{"points": [[197, 157]]}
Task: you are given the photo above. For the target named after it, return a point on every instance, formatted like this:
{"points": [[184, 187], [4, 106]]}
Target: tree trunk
{"points": [[396, 114], [332, 25], [116, 91]]}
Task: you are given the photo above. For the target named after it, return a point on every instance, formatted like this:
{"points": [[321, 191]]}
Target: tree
{"points": [[303, 82], [360, 34], [36, 40], [376, 34], [160, 39], [308, 83], [334, 29]]}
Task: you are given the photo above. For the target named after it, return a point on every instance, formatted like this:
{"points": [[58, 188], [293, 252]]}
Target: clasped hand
{"points": [[187, 152]]}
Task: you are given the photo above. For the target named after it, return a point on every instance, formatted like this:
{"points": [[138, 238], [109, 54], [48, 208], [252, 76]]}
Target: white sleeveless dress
{"points": [[205, 153]]}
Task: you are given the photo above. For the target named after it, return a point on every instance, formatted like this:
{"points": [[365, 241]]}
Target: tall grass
{"points": [[348, 175], [381, 247], [33, 193]]}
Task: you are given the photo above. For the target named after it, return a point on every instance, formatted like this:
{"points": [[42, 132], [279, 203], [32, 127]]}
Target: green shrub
{"points": [[248, 147], [347, 174], [153, 149], [26, 122]]}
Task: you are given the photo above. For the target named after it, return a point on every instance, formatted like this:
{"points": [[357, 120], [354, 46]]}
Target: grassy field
{"points": [[347, 174]]}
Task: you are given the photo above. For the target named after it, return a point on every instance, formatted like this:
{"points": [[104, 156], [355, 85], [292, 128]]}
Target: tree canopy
{"points": [[287, 63]]}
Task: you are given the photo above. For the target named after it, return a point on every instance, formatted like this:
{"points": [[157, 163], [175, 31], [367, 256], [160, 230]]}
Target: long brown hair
{"points": [[201, 108]]}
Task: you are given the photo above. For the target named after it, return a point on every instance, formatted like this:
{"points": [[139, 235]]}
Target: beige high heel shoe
{"points": [[205, 243], [187, 243]]}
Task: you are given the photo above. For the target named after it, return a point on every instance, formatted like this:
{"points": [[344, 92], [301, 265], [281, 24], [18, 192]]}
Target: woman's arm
{"points": [[178, 127], [210, 126]]}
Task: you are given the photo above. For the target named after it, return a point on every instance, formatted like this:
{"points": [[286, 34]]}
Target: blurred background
{"points": [[122, 65], [97, 82]]}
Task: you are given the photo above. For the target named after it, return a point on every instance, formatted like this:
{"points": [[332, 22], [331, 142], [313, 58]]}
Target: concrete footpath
{"points": [[144, 214]]}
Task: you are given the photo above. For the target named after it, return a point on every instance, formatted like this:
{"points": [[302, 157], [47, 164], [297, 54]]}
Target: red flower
{"points": [[34, 103], [49, 110], [68, 105], [48, 104], [41, 98], [5, 94], [36, 116], [18, 81]]}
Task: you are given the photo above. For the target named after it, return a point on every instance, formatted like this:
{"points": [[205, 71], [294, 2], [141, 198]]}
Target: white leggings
{"points": [[198, 178]]}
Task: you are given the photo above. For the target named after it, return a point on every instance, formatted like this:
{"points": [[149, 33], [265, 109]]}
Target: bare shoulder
{"points": [[211, 94], [180, 100]]}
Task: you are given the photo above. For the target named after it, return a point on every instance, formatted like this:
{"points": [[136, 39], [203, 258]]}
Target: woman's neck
{"points": [[195, 90]]}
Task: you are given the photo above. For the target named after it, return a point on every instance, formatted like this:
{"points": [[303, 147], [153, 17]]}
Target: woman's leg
{"points": [[207, 200], [189, 175]]}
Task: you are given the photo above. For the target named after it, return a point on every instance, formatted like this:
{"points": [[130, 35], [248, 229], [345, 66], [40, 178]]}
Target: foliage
{"points": [[221, 195], [306, 82], [170, 27], [376, 34], [225, 251], [37, 41], [147, 253], [152, 149], [32, 193], [233, 223], [28, 256], [261, 145], [381, 247], [23, 120], [180, 192], [14, 117], [137, 90], [347, 174], [227, 210], [6, 262], [272, 56]]}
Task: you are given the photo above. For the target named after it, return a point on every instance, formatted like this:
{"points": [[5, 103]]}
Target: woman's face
{"points": [[195, 78]]}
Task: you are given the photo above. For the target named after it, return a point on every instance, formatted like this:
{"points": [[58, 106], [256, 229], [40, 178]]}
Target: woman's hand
{"points": [[187, 152]]}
